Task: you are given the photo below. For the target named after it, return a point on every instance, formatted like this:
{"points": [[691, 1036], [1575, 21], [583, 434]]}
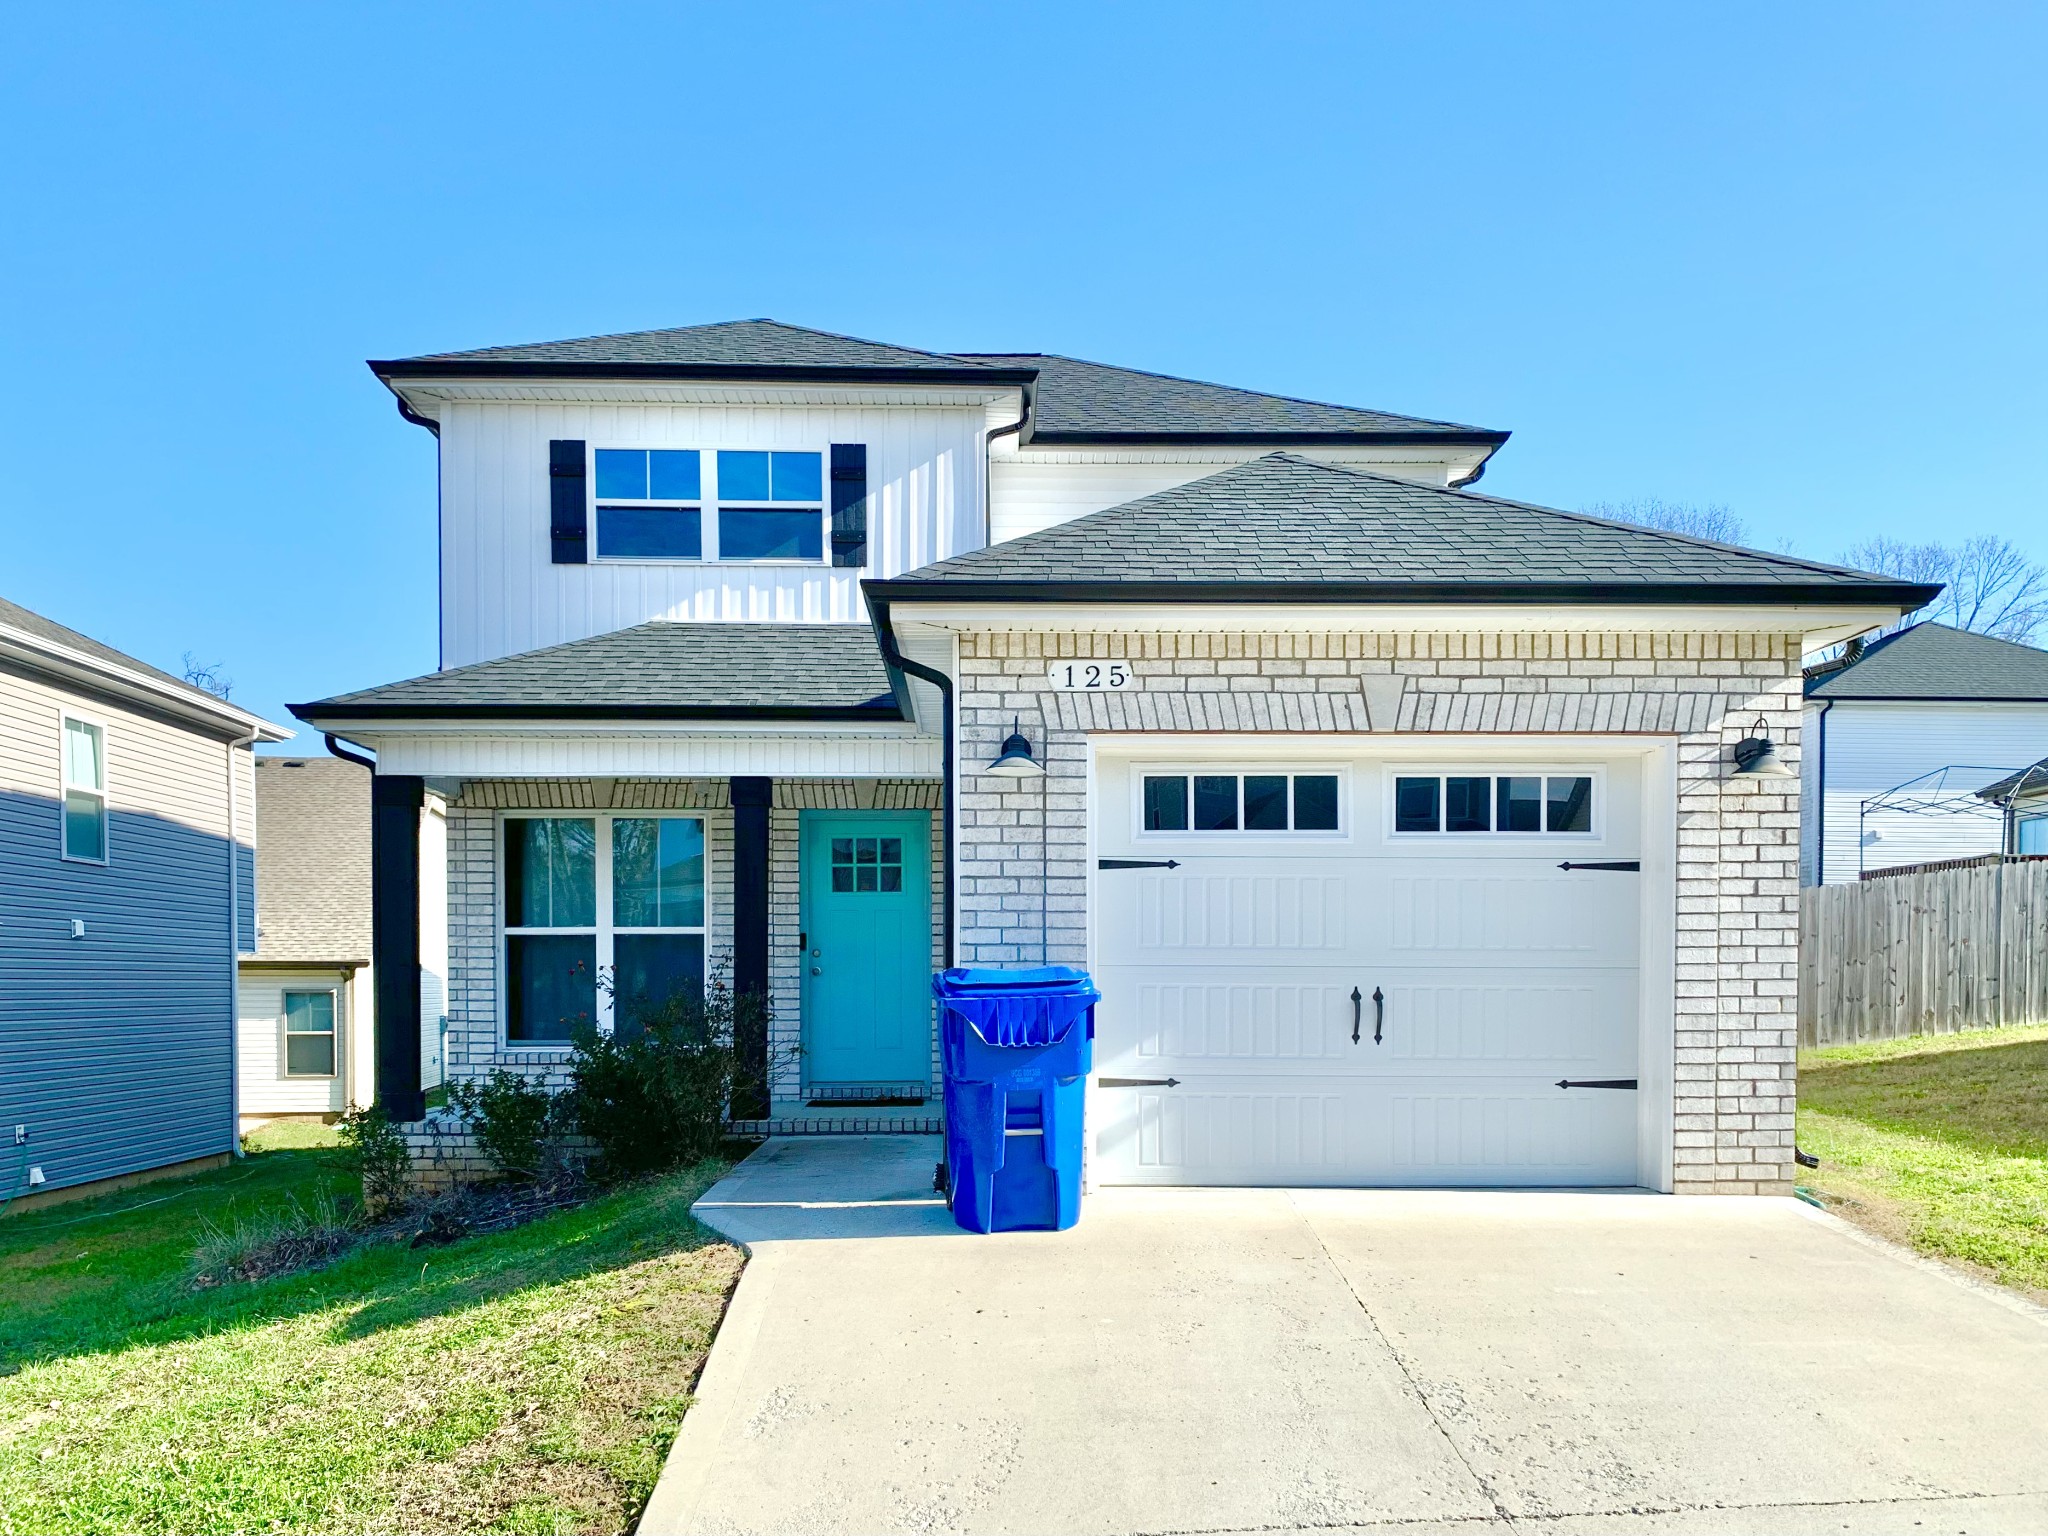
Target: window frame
{"points": [[709, 504], [66, 718], [1494, 770], [604, 932], [1291, 769], [285, 1032]]}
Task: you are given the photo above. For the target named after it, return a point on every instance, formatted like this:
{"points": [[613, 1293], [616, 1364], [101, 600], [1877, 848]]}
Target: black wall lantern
{"points": [[1756, 756]]}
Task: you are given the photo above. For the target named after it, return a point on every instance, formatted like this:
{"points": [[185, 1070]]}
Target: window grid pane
{"points": [[1518, 804], [1215, 803], [84, 764], [1466, 807], [1166, 804], [1570, 805], [674, 474], [650, 533], [1416, 803], [551, 872], [765, 534], [622, 473], [1315, 802], [85, 825]]}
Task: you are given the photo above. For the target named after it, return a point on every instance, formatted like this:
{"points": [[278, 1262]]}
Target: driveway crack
{"points": [[1480, 1479]]}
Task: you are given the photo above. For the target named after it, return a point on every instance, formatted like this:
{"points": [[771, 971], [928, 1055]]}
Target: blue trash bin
{"points": [[1016, 1048]]}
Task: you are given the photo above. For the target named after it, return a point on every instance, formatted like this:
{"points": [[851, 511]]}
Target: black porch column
{"points": [[395, 804], [751, 798]]}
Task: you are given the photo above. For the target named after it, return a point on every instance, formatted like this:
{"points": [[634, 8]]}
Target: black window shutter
{"points": [[568, 519], [850, 504]]}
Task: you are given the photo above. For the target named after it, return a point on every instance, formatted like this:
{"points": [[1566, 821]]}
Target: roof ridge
{"points": [[673, 330], [1239, 389]]}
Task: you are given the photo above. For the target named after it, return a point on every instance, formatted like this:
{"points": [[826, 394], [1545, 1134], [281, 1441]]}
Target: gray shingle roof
{"points": [[17, 617], [312, 860], [765, 343], [659, 670], [1295, 528], [1082, 401], [2026, 786], [1936, 661], [1073, 401]]}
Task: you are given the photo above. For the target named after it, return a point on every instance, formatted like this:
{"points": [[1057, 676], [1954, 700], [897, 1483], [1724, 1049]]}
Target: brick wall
{"points": [[1023, 842]]}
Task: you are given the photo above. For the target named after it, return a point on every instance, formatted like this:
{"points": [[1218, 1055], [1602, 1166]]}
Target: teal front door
{"points": [[867, 926]]}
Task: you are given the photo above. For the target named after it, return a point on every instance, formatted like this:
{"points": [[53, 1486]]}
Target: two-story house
{"points": [[127, 895], [1415, 836]]}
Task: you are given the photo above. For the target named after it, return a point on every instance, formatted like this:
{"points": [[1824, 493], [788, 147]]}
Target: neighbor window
{"points": [[1240, 802], [2032, 834], [724, 504], [309, 1034], [1457, 802], [587, 897], [85, 791]]}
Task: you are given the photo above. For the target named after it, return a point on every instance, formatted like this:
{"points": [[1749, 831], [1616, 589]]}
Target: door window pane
{"points": [[309, 1034], [551, 872], [1315, 802], [1571, 805], [1215, 803], [622, 472], [1166, 804], [550, 984], [752, 534], [1518, 805], [649, 969], [657, 872], [1465, 805], [650, 533], [1415, 805], [867, 864], [1265, 803]]}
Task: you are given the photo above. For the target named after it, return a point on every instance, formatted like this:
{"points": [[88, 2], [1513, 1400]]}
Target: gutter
{"points": [[330, 709], [240, 744], [1820, 799], [885, 638]]}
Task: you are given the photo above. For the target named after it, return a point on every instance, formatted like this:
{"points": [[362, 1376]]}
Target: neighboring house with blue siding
{"points": [[127, 887]]}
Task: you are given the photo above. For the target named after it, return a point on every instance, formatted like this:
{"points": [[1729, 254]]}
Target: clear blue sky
{"points": [[1788, 258]]}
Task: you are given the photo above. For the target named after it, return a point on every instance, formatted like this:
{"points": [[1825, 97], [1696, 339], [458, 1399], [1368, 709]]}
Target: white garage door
{"points": [[1378, 1002]]}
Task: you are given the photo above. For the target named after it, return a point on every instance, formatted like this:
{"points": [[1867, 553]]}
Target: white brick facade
{"points": [[1022, 855]]}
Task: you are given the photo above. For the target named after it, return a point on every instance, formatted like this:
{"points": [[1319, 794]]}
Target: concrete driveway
{"points": [[1259, 1360]]}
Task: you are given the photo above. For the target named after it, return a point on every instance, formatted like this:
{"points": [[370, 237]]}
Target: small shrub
{"points": [[275, 1243], [374, 1149], [656, 1093], [514, 1119]]}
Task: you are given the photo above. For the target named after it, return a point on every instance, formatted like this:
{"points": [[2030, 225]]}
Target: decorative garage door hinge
{"points": [[1137, 863], [1633, 866], [1137, 1082], [1596, 1082]]}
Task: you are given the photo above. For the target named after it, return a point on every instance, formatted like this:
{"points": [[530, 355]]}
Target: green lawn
{"points": [[529, 1380], [1939, 1141]]}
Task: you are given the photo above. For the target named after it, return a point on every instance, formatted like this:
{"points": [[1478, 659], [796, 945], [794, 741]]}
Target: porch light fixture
{"points": [[1015, 760], [1756, 757]]}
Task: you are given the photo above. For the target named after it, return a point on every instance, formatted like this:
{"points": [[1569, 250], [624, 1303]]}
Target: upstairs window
{"points": [[727, 504], [1489, 802], [85, 791], [650, 504]]}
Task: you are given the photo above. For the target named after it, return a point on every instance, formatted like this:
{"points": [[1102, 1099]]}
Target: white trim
{"points": [[598, 749], [427, 396], [66, 717]]}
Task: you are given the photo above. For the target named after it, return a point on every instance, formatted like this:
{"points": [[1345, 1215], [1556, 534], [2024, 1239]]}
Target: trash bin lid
{"points": [[1018, 1008]]}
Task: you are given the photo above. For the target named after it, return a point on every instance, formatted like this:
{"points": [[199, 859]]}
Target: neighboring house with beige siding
{"points": [[1414, 836], [127, 891], [308, 996]]}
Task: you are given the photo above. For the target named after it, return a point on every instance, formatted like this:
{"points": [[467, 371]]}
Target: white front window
{"points": [[590, 899], [85, 791], [309, 1034], [709, 504]]}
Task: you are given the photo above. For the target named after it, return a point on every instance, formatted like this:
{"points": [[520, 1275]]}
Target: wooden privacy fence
{"points": [[1924, 951]]}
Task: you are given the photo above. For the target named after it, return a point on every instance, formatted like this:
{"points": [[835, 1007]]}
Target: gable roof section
{"points": [[662, 670], [1283, 528], [1082, 402], [1935, 662], [312, 861]]}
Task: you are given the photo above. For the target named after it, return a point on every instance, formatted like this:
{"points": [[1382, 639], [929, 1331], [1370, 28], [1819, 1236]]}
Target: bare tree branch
{"points": [[1713, 521], [208, 675], [1988, 585]]}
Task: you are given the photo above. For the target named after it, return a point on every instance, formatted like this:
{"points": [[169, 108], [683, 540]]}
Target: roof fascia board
{"points": [[1891, 598], [1380, 435], [1821, 624], [610, 723], [1928, 698], [67, 665], [323, 710]]}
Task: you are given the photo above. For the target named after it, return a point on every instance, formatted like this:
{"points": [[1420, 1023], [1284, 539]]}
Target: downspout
{"points": [[988, 444], [885, 636], [1820, 800], [238, 744], [346, 755]]}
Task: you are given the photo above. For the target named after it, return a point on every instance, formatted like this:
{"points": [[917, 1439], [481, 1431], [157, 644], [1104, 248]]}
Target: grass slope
{"points": [[1940, 1141], [529, 1380]]}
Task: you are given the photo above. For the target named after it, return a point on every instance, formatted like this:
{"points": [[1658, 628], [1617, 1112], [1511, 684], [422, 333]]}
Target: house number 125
{"points": [[1089, 676]]}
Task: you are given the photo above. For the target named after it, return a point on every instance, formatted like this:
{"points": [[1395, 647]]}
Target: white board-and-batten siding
{"points": [[1873, 747], [115, 1048], [501, 594]]}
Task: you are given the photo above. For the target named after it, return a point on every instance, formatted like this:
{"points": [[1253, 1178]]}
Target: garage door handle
{"points": [[1625, 866], [1137, 1082], [1379, 1013], [1357, 1012], [1597, 1082]]}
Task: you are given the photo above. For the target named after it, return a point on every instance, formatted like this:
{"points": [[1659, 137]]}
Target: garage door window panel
{"points": [[1507, 803], [1233, 802]]}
